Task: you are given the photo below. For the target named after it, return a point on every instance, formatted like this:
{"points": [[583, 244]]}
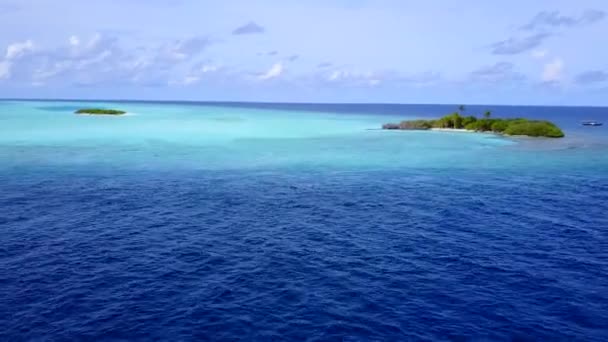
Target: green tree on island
{"points": [[99, 111], [532, 128], [461, 109], [487, 114], [456, 120]]}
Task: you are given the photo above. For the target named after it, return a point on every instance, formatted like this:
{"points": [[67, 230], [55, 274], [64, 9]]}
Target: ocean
{"points": [[238, 221]]}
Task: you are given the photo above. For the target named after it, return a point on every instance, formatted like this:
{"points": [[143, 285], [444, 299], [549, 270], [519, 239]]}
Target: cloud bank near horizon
{"points": [[391, 60]]}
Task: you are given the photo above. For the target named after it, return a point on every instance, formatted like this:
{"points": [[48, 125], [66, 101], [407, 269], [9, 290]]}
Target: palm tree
{"points": [[461, 108], [487, 114]]}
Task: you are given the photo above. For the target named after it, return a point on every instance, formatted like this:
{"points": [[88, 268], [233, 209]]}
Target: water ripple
{"points": [[301, 256]]}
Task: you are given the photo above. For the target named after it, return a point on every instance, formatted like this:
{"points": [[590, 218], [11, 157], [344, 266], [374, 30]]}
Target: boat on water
{"points": [[592, 123]]}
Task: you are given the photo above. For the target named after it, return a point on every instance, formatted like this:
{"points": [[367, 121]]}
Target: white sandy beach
{"points": [[462, 130]]}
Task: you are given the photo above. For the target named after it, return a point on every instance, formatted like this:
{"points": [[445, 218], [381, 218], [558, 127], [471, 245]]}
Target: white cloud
{"points": [[17, 50], [180, 50], [95, 41], [5, 69], [208, 68], [74, 40], [539, 54], [378, 77], [80, 49], [336, 75], [45, 72], [188, 80], [355, 77], [13, 53], [275, 71], [102, 59], [553, 71], [197, 74]]}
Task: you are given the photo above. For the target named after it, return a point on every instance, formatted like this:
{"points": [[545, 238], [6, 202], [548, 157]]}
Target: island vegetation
{"points": [[100, 111], [456, 121]]}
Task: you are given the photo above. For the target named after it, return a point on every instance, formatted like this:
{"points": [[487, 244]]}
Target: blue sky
{"points": [[466, 51]]}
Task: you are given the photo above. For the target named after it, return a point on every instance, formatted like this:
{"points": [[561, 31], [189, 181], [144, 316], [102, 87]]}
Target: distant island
{"points": [[99, 111], [455, 121]]}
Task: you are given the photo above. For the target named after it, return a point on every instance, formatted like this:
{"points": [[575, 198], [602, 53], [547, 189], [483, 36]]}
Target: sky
{"points": [[542, 52]]}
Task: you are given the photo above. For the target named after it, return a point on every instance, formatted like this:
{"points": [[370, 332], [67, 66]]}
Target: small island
{"points": [[100, 111], [455, 121]]}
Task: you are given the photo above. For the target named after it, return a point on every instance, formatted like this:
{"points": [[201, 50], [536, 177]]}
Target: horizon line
{"points": [[288, 103]]}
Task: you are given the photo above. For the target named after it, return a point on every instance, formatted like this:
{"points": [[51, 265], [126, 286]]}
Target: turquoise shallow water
{"points": [[298, 222], [214, 137]]}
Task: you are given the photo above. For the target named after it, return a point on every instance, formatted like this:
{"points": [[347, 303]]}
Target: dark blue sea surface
{"points": [[94, 247], [391, 256]]}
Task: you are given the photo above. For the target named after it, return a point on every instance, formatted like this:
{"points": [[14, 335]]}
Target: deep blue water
{"points": [[96, 247]]}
